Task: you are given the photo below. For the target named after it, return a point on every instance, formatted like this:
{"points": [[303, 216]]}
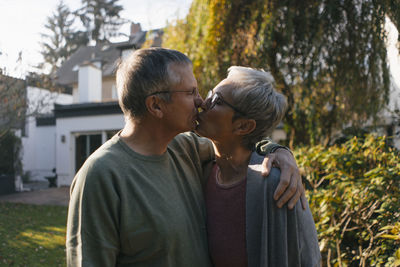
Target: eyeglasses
{"points": [[192, 92], [213, 99]]}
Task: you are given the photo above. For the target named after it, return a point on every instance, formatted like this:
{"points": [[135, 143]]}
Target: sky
{"points": [[22, 21]]}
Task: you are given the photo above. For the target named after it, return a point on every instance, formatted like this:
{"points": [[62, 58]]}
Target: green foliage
{"points": [[12, 103], [101, 21], [61, 39], [10, 162], [327, 57], [354, 191], [100, 18], [32, 235]]}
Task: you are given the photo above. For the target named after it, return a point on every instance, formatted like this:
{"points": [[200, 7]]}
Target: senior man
{"points": [[138, 200]]}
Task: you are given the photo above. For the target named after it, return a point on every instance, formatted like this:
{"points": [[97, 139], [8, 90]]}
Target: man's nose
{"points": [[198, 100]]}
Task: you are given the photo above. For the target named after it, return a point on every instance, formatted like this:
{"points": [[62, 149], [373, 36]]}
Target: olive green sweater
{"points": [[127, 209]]}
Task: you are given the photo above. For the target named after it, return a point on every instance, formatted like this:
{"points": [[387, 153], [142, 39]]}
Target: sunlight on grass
{"points": [[47, 240], [55, 229], [32, 235]]}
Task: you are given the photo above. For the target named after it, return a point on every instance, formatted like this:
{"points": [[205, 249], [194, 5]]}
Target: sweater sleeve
{"points": [[198, 150], [92, 227], [193, 144], [267, 146]]}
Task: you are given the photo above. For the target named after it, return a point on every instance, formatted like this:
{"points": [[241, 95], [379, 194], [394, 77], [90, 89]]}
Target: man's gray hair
{"points": [[144, 72], [255, 95]]}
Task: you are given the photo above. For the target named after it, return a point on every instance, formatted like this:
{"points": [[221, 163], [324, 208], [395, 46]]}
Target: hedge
{"points": [[354, 191]]}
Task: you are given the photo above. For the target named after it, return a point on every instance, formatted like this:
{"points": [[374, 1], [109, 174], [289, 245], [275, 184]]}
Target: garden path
{"points": [[44, 196]]}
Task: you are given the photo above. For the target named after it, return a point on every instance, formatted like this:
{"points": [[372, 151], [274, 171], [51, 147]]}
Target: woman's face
{"points": [[215, 122]]}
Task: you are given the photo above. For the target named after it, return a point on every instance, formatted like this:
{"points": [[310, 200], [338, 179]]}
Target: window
{"points": [[84, 146]]}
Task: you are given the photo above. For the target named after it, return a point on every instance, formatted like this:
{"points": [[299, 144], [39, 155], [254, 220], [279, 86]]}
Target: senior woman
{"points": [[244, 225]]}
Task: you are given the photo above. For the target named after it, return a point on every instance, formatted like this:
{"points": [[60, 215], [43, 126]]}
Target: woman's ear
{"points": [[153, 105], [244, 126]]}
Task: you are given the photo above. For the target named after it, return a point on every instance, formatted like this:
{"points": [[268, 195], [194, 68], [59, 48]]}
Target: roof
{"points": [[107, 53], [87, 109]]}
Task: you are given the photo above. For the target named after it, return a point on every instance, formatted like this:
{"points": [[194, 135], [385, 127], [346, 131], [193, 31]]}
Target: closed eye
{"points": [[195, 91]]}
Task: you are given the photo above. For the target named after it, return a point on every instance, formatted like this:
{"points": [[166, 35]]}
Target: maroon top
{"points": [[226, 221]]}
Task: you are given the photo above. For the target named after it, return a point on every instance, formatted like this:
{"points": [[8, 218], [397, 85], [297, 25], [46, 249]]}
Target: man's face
{"points": [[182, 111]]}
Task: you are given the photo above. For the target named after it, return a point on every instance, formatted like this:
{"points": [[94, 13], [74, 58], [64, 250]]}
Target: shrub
{"points": [[354, 191], [10, 162]]}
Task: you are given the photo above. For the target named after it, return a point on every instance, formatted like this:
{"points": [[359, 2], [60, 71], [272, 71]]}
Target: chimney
{"points": [[89, 82], [135, 28]]}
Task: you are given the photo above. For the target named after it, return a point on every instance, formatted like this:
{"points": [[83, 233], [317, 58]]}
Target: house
{"points": [[39, 136]]}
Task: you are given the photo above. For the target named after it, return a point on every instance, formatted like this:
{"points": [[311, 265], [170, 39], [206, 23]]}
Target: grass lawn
{"points": [[32, 235]]}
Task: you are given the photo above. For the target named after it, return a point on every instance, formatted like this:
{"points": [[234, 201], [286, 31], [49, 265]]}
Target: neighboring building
{"points": [[38, 139], [94, 66]]}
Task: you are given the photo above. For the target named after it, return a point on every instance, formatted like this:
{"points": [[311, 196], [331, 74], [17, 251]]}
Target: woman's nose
{"points": [[198, 100]]}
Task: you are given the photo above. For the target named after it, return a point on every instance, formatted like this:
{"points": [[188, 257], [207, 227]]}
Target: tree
{"points": [[327, 57], [101, 18], [12, 105], [61, 40], [10, 162]]}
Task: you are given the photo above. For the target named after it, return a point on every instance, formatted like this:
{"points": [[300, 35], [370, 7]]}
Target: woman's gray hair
{"points": [[253, 93], [144, 72]]}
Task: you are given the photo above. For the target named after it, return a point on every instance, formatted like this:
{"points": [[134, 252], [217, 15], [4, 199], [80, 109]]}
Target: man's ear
{"points": [[153, 105], [244, 126]]}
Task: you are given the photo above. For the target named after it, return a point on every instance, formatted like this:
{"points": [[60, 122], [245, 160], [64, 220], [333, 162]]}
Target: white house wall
{"points": [[41, 101], [38, 143], [39, 151], [68, 128]]}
